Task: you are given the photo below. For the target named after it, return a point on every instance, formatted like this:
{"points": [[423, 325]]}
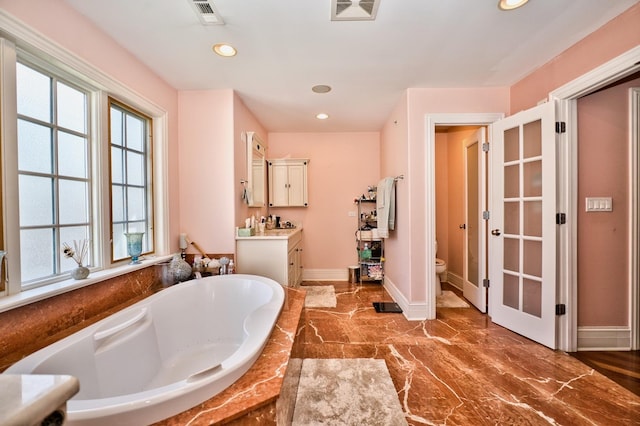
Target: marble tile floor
{"points": [[461, 369]]}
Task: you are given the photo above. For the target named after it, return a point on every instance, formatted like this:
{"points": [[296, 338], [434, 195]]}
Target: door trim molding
{"points": [[431, 121], [634, 211], [566, 110]]}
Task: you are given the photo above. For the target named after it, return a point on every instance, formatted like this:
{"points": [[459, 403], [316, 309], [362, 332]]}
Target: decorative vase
{"points": [[80, 273], [180, 269], [134, 246]]}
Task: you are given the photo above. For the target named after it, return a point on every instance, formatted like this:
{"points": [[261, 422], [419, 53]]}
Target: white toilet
{"points": [[441, 269]]}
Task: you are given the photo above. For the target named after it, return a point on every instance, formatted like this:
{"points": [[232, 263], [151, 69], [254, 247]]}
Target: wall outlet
{"points": [[351, 214]]}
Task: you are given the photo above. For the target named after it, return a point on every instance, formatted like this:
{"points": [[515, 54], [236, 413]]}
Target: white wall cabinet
{"points": [[277, 255], [288, 182]]}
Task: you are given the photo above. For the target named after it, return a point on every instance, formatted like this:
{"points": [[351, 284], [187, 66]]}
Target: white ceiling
{"points": [[287, 46]]}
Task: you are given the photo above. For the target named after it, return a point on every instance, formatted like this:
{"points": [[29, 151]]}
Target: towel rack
{"points": [[397, 178]]}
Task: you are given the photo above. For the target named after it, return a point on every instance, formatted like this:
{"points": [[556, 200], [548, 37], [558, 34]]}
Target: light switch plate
{"points": [[351, 214], [598, 204]]}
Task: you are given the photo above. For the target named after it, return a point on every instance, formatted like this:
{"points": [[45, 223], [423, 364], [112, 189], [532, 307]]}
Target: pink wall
{"points": [[603, 237], [60, 23], [614, 38], [394, 161], [207, 187], [602, 297], [410, 251], [244, 121], [341, 167]]}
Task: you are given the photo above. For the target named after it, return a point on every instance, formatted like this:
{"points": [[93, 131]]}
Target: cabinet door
{"points": [[297, 185], [278, 185]]}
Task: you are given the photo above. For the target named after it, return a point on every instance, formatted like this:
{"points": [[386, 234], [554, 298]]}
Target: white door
{"points": [[522, 264], [474, 241]]}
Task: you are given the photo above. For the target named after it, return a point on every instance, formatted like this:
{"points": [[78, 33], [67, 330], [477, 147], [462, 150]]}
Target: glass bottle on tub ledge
{"points": [[134, 246]]}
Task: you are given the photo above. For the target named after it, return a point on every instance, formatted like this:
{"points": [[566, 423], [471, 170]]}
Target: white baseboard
{"points": [[325, 274], [455, 280], [604, 338], [412, 312]]}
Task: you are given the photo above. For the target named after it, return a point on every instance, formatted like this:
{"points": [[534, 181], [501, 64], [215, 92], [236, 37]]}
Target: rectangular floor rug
{"points": [[346, 392], [448, 299], [321, 296]]}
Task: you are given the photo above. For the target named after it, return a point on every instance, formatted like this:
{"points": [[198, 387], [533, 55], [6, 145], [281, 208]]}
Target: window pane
{"points": [[34, 147], [116, 127], [512, 217], [135, 169], [117, 203], [34, 93], [532, 297], [72, 106], [73, 202], [511, 260], [512, 144], [36, 253], [511, 291], [532, 179], [532, 134], [135, 133], [117, 169], [72, 155], [119, 242], [135, 205], [512, 181], [36, 200]]}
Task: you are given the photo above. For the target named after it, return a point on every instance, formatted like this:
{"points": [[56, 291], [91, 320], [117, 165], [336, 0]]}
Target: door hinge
{"points": [[486, 283], [485, 147], [561, 127], [561, 218], [486, 215], [561, 309]]}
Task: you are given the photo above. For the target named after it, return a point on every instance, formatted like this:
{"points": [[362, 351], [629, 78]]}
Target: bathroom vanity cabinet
{"points": [[288, 182], [369, 245], [277, 255]]}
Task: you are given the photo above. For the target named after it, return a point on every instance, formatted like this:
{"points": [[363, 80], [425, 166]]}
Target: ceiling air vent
{"points": [[354, 10], [207, 12]]}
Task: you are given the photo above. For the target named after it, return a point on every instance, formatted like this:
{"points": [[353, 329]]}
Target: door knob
{"points": [[462, 226], [495, 232]]}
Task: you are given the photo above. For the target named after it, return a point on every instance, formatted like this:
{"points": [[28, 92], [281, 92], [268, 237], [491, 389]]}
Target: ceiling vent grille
{"points": [[354, 10], [207, 12]]}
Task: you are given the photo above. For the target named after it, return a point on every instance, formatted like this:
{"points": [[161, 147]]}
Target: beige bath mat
{"points": [[322, 296], [448, 299], [347, 392]]}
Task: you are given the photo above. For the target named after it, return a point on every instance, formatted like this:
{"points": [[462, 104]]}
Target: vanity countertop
{"points": [[273, 234], [29, 398]]}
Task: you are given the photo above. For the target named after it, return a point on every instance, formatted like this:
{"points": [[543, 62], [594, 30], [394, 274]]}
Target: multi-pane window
{"points": [[131, 198], [54, 173]]}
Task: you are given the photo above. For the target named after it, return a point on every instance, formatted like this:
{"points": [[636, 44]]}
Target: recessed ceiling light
{"points": [[322, 116], [224, 49], [321, 88], [511, 4]]}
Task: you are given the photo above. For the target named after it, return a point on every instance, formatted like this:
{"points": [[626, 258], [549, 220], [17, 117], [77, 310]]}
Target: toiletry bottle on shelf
{"points": [[231, 268], [366, 252]]}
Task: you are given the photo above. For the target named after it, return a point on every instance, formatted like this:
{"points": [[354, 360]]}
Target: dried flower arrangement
{"points": [[78, 252]]}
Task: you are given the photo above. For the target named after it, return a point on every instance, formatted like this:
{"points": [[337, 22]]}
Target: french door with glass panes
{"points": [[522, 255]]}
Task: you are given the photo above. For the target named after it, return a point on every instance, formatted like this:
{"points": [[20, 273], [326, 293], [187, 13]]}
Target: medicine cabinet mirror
{"points": [[256, 171]]}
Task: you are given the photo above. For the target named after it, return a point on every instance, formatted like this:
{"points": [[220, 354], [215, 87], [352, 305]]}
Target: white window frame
{"points": [[14, 37]]}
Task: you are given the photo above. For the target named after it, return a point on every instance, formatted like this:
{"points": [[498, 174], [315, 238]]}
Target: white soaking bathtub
{"points": [[166, 353]]}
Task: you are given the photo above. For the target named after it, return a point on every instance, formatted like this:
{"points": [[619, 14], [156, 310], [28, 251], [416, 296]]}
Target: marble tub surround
{"points": [[252, 400], [29, 328], [462, 369], [30, 399]]}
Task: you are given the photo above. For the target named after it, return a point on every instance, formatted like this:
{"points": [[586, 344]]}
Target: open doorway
{"points": [[460, 198]]}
